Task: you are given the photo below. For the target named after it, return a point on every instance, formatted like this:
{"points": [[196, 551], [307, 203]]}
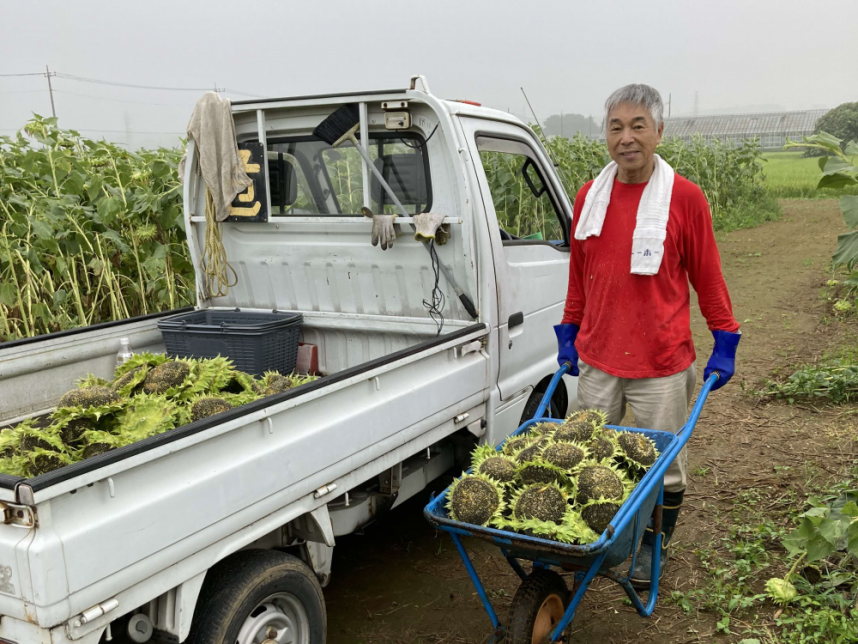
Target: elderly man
{"points": [[641, 234]]}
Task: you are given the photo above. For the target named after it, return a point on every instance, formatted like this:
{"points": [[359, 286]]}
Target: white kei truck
{"points": [[223, 530]]}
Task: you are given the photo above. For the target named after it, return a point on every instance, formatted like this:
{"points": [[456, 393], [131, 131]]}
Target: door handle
{"points": [[515, 320]]}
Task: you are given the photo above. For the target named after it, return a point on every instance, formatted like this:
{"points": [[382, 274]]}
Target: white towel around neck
{"points": [[653, 212]]}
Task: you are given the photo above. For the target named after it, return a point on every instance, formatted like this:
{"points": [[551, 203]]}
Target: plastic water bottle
{"points": [[125, 352]]}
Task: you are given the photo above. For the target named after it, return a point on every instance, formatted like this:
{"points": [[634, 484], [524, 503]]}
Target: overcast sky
{"points": [[737, 54]]}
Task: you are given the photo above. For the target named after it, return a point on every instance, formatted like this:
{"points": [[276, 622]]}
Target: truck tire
{"points": [[537, 607], [533, 404], [256, 595]]}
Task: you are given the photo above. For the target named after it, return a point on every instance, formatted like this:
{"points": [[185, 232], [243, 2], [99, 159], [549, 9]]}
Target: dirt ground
{"points": [[403, 583]]}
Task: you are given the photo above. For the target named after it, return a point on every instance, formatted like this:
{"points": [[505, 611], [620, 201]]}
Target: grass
{"points": [[789, 175], [748, 215], [833, 379], [737, 564]]}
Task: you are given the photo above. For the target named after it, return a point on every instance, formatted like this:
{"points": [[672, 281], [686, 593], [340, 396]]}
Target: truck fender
{"points": [[314, 526], [173, 611], [317, 531]]}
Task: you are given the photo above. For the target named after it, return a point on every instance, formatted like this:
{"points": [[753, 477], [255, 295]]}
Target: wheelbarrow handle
{"points": [[552, 386]]}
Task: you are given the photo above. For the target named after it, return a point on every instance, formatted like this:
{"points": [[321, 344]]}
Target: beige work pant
{"points": [[657, 403]]}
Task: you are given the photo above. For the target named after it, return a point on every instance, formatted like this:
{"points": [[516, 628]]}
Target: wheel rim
{"points": [[279, 618], [549, 614]]}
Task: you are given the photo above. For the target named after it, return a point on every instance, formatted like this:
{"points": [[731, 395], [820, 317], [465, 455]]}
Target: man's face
{"points": [[632, 138]]}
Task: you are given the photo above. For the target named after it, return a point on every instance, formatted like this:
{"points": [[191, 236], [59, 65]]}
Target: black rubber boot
{"points": [[640, 577]]}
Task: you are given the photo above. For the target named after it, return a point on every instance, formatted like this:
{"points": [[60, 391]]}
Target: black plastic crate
{"points": [[255, 342]]}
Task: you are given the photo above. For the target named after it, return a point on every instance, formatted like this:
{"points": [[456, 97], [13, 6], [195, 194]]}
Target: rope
{"points": [[213, 263]]}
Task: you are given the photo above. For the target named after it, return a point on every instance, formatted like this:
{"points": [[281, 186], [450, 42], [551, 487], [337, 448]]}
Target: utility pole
{"points": [[669, 101], [51, 90]]}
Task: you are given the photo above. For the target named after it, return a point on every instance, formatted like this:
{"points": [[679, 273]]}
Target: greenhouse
{"points": [[771, 129]]}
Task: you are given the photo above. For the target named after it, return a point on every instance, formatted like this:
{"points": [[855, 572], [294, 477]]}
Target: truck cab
{"points": [[507, 209]]}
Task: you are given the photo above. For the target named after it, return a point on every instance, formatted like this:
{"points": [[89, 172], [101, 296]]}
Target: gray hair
{"points": [[637, 94]]}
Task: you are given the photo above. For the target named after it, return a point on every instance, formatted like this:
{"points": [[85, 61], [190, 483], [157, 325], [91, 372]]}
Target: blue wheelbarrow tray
{"points": [[616, 544], [613, 547]]}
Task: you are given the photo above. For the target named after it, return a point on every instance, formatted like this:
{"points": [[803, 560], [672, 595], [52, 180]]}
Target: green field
{"points": [[789, 175]]}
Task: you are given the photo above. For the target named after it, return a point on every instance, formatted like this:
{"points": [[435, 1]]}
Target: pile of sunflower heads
{"points": [[149, 394], [563, 481]]}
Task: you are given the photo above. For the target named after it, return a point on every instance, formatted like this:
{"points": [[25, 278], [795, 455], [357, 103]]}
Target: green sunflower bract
{"points": [[638, 450], [494, 464], [149, 394], [475, 499], [563, 481]]}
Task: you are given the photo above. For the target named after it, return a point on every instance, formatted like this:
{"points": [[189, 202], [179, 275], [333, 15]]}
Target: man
{"points": [[626, 325]]}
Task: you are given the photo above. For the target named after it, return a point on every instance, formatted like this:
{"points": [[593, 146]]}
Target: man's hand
{"points": [[566, 351], [723, 358], [382, 228]]}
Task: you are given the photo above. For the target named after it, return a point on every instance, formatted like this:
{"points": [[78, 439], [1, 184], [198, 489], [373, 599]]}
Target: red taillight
{"points": [[461, 100]]}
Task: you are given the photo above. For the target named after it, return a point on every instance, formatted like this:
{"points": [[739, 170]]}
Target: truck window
{"points": [[523, 201], [309, 177]]}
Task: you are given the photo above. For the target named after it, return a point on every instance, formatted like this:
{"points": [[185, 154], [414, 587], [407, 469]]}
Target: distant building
{"points": [[772, 129]]}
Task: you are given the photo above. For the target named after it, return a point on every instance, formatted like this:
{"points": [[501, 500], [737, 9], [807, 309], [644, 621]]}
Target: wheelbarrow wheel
{"points": [[537, 607]]}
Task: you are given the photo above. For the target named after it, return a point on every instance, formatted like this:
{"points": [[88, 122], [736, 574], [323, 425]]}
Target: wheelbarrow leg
{"points": [[466, 559], [576, 599], [513, 562]]}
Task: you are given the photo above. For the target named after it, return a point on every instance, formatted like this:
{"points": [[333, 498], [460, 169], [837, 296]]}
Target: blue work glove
{"points": [[723, 358], [566, 351]]}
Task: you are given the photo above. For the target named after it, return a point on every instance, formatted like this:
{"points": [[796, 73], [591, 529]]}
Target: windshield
{"points": [[309, 177]]}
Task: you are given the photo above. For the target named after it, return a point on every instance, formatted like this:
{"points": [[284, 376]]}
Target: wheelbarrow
{"points": [[543, 607]]}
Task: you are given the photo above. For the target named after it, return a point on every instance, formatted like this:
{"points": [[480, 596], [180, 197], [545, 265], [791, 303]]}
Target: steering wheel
{"points": [[505, 236]]}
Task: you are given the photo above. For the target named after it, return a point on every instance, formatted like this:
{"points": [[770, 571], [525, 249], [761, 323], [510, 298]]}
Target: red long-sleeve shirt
{"points": [[638, 326]]}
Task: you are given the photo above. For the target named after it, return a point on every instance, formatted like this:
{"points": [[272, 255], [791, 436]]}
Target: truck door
{"points": [[528, 214]]}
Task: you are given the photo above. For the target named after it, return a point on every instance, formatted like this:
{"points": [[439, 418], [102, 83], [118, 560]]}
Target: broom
{"points": [[339, 128]]}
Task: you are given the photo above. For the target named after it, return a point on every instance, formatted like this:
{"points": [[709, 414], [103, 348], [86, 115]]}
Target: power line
{"points": [[235, 91], [97, 81], [120, 100]]}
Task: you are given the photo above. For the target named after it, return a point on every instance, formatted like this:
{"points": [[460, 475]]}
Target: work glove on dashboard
{"points": [[566, 351], [723, 358], [382, 228], [429, 226]]}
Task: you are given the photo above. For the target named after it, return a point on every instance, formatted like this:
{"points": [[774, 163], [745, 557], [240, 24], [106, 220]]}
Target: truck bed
{"points": [[133, 523], [35, 372]]}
